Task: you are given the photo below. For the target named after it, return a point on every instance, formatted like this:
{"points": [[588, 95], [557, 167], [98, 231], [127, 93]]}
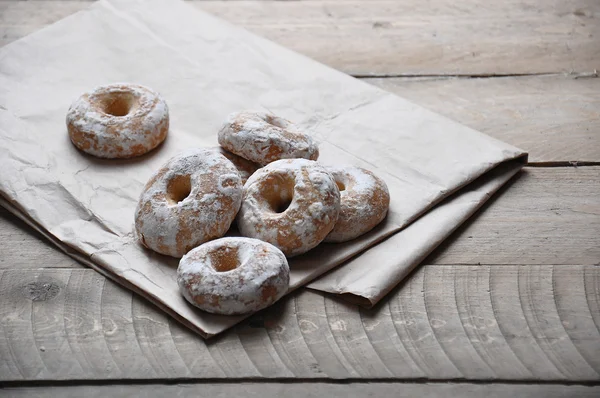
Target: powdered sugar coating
{"points": [[118, 121], [245, 167], [173, 225], [310, 216], [364, 202], [233, 275], [263, 138]]}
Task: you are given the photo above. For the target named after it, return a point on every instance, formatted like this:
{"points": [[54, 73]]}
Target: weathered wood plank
{"points": [[506, 301], [289, 342], [449, 328], [435, 37], [549, 329], [20, 18], [446, 322], [396, 38], [578, 324], [319, 389], [49, 321], [414, 326], [120, 333], [16, 236], [545, 216], [554, 118], [471, 291], [510, 322]]}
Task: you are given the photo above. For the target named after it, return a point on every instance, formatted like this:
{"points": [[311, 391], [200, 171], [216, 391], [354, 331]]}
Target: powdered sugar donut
{"points": [[245, 167], [233, 275], [291, 203], [192, 199], [118, 121], [364, 202], [264, 138]]}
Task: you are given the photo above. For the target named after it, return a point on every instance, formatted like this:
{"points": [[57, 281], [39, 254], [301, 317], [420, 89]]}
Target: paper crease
{"points": [[206, 68]]}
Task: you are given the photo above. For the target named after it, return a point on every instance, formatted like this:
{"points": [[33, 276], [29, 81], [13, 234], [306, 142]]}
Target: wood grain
{"points": [[545, 216], [452, 320], [429, 38], [22, 247], [313, 389], [446, 322], [20, 18], [383, 37], [554, 118]]}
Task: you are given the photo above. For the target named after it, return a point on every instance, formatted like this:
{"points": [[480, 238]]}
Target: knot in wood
{"points": [[40, 290]]}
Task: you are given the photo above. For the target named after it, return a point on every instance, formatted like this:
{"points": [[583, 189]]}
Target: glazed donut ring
{"points": [[245, 167], [118, 121], [292, 204], [364, 202], [192, 199], [233, 276], [264, 138]]}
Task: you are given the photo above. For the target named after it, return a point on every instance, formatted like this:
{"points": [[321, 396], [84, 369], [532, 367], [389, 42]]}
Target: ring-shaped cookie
{"points": [[263, 138], [291, 203], [364, 202], [233, 275], [118, 121], [192, 199]]}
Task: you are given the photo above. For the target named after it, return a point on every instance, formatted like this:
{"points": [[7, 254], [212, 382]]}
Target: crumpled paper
{"points": [[438, 171]]}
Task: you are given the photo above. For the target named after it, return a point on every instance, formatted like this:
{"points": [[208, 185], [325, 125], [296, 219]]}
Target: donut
{"points": [[245, 167], [233, 275], [364, 202], [263, 138], [291, 203], [191, 199], [118, 121]]}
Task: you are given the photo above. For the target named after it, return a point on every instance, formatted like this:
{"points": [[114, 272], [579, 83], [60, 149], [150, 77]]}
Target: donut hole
{"points": [[281, 205], [278, 192], [343, 180], [179, 188], [224, 259], [118, 104], [278, 202]]}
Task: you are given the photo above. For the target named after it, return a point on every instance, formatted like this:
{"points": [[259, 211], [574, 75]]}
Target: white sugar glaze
{"points": [[192, 199], [364, 202], [233, 275], [118, 121], [245, 167], [263, 138], [313, 198]]}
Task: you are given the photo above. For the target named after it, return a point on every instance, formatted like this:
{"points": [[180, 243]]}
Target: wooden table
{"points": [[510, 305]]}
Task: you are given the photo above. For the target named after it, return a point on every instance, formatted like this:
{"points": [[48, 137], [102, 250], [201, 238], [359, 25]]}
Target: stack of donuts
{"points": [[264, 176]]}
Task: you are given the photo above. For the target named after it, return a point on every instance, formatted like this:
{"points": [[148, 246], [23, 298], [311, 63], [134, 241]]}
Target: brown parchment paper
{"points": [[205, 69]]}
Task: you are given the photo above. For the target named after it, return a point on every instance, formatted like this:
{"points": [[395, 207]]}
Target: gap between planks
{"points": [[574, 75], [286, 381], [570, 163], [318, 389]]}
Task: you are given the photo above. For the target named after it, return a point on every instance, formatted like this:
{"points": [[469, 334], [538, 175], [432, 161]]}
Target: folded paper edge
{"points": [[14, 209], [361, 300], [83, 259], [513, 167]]}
